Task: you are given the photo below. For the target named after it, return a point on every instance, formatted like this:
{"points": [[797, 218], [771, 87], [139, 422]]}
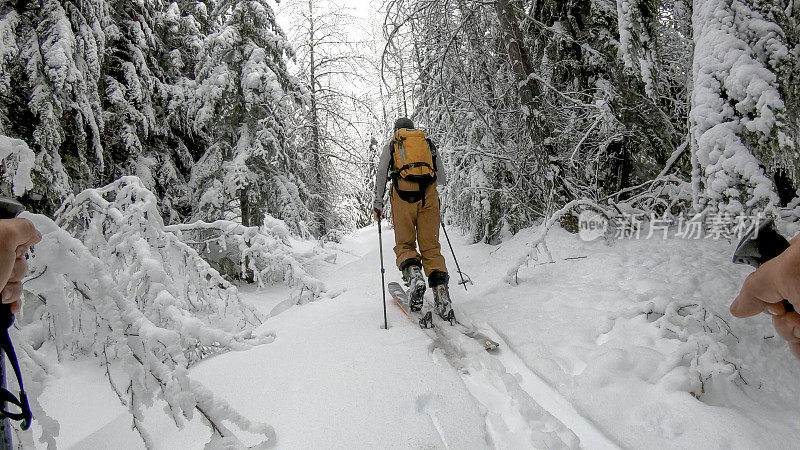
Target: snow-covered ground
{"points": [[595, 329], [629, 345]]}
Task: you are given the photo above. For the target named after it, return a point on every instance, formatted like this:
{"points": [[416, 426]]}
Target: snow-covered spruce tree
{"points": [[742, 133], [100, 90], [148, 87], [636, 38], [244, 96], [50, 70], [110, 282]]}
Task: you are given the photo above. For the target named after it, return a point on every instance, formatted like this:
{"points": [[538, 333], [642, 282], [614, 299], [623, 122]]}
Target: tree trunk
{"points": [[244, 202], [316, 145], [529, 89], [517, 52]]}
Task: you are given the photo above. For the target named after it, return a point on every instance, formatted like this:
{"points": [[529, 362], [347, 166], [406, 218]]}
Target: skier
{"points": [[411, 161]]}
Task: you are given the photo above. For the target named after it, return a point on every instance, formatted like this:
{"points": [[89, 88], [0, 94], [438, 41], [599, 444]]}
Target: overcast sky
{"points": [[366, 12], [363, 9]]}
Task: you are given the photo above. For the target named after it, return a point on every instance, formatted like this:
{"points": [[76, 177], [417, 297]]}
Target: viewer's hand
{"points": [[775, 280], [16, 236], [377, 212]]}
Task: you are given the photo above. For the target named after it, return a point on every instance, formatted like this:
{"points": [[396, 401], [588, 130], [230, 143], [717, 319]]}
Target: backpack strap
{"points": [[398, 141], [412, 196], [434, 153], [416, 164]]}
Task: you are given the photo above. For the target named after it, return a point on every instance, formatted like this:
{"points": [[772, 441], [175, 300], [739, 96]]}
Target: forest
{"points": [[223, 115], [171, 152]]}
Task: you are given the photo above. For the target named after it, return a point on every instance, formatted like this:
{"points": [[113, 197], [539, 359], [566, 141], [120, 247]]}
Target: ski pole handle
{"points": [[10, 208], [770, 243], [759, 246]]}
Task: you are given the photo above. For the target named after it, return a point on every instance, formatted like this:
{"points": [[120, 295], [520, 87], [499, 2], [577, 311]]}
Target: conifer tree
{"points": [[244, 95]]}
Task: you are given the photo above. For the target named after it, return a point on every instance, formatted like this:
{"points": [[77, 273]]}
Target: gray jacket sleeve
{"points": [[382, 175]]}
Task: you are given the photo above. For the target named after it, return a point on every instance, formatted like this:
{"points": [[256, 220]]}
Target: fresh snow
{"points": [[582, 325], [626, 344]]}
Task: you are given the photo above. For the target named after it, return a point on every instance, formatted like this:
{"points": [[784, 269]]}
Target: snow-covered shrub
{"points": [[241, 106], [16, 162], [121, 224], [702, 356], [109, 282], [261, 254]]}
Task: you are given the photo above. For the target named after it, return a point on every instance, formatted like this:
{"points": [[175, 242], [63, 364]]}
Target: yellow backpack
{"points": [[413, 158]]}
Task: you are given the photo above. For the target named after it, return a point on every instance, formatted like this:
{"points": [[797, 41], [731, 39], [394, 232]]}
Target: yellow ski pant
{"points": [[417, 222]]}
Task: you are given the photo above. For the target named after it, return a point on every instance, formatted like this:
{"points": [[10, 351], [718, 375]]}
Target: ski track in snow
{"points": [[514, 419], [590, 436], [489, 384]]}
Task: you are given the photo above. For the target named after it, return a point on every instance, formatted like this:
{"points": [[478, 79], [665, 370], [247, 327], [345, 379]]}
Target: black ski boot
{"points": [[412, 275], [441, 296]]}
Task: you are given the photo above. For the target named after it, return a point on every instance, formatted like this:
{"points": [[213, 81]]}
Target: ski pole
{"points": [[460, 273], [383, 272], [10, 208]]}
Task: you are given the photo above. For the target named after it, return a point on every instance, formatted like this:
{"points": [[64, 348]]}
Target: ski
{"points": [[429, 320]]}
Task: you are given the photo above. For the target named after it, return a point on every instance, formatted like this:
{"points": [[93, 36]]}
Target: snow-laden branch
{"points": [[511, 275], [660, 196], [702, 357], [110, 281], [261, 254], [736, 106], [121, 224]]}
